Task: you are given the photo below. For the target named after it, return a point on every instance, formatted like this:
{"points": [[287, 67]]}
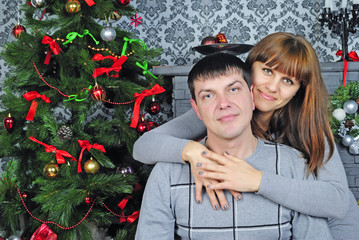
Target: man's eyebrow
{"points": [[205, 90], [234, 82]]}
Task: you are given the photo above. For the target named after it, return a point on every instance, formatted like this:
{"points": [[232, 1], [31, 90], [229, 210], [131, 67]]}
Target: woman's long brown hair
{"points": [[302, 123]]}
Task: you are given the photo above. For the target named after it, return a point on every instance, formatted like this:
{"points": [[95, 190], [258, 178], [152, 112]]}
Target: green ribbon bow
{"points": [[145, 70], [74, 96], [128, 40], [72, 35]]}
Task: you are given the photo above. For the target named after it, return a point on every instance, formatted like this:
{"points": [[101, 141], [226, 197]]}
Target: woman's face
{"points": [[271, 89]]}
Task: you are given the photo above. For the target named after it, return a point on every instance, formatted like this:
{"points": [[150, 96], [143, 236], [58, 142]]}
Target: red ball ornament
{"points": [[143, 126], [17, 30], [9, 123], [152, 124], [154, 108], [98, 93], [123, 3]]}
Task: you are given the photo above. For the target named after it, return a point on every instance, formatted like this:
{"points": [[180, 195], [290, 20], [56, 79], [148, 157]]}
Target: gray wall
{"points": [[178, 25]]}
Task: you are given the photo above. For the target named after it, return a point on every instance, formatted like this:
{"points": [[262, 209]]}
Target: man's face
{"points": [[224, 104]]}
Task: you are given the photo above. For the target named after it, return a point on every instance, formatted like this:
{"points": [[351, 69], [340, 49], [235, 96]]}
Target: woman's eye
{"points": [[267, 70], [288, 81]]}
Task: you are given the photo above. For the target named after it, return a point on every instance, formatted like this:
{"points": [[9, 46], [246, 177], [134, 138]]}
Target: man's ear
{"points": [[254, 106], [195, 108]]}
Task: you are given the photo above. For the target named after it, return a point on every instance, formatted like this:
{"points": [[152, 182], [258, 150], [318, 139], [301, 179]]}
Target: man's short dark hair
{"points": [[216, 65]]}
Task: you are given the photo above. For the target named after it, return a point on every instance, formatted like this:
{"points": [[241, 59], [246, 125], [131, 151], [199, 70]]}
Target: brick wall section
{"points": [[332, 73]]}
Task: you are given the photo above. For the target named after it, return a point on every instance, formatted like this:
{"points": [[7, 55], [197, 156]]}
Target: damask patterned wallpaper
{"points": [[178, 25]]}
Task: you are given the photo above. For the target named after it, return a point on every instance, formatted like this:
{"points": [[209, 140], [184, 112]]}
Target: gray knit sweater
{"points": [[169, 209], [328, 197]]}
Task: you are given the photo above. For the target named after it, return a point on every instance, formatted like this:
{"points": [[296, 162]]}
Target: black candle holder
{"points": [[342, 23]]}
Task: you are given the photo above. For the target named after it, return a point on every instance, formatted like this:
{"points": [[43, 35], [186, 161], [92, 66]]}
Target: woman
{"points": [[291, 108]]}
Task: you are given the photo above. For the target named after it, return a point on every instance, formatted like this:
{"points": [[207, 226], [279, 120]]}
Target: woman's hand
{"points": [[230, 172], [192, 153]]}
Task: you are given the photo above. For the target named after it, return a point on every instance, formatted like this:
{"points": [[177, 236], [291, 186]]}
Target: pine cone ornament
{"points": [[357, 101], [349, 124], [64, 133]]}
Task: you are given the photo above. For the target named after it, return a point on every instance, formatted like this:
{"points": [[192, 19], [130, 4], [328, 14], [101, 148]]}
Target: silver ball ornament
{"points": [[38, 3], [108, 34], [347, 140], [350, 107], [13, 237], [339, 114]]}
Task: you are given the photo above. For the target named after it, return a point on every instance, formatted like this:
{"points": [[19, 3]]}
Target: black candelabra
{"points": [[341, 22]]}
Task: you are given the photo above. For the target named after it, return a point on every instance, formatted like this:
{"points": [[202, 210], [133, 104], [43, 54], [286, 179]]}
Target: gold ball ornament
{"points": [[91, 166], [73, 6], [51, 170]]}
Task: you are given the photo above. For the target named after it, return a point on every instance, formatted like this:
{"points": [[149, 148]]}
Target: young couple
{"points": [[284, 193]]}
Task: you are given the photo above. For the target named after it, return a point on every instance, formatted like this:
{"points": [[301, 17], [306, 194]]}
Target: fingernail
{"points": [[200, 173], [198, 201], [226, 152], [199, 164], [204, 153], [208, 186], [239, 197], [225, 207], [216, 207]]}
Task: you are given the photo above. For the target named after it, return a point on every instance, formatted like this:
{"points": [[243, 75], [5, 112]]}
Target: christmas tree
{"points": [[69, 166]]}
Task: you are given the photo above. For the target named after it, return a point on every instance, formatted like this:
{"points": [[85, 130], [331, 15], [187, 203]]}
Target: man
{"points": [[222, 99]]}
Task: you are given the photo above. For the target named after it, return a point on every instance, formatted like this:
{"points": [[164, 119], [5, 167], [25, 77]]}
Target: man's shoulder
{"points": [[282, 148], [171, 170]]}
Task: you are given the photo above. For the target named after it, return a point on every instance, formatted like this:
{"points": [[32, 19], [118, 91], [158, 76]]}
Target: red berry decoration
{"points": [[98, 93], [153, 108], [143, 126], [88, 200], [17, 30], [123, 3], [24, 195], [9, 123]]}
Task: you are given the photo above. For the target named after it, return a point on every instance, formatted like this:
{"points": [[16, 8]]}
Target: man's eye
{"points": [[206, 96], [232, 90]]}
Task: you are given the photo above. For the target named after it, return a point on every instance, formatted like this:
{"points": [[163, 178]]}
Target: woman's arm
{"points": [[166, 142], [325, 197]]}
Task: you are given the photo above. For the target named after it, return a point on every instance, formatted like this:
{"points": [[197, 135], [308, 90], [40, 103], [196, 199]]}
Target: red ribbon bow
{"points": [[60, 154], [90, 2], [139, 97], [31, 96], [99, 57], [53, 46], [130, 218], [117, 66], [352, 56], [124, 201], [44, 233], [84, 144]]}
